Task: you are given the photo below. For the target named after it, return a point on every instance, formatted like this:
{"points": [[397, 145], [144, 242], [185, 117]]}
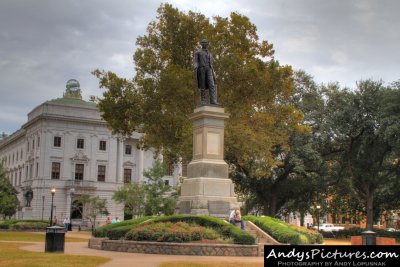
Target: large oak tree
{"points": [[252, 86]]}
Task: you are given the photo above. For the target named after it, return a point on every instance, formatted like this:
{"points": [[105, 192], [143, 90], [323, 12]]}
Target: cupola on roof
{"points": [[73, 89]]}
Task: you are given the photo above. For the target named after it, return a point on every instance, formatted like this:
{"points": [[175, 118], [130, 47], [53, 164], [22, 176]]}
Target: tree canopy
{"points": [[8, 195], [290, 143], [252, 86]]}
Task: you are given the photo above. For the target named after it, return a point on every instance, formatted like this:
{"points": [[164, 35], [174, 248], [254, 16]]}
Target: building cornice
{"points": [[55, 117], [12, 138]]}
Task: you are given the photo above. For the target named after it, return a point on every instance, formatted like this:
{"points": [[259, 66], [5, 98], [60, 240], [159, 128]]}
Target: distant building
{"points": [[65, 144]]}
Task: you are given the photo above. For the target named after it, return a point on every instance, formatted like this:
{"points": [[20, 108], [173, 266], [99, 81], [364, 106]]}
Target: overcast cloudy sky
{"points": [[43, 43]]}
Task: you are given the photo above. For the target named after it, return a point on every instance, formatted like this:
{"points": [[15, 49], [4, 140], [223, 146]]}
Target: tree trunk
{"points": [[271, 205], [370, 208]]}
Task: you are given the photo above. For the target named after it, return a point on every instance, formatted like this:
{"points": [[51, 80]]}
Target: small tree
{"points": [[92, 207], [132, 196], [8, 196], [158, 195]]}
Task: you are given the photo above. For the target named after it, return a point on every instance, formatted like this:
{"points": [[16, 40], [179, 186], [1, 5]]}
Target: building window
{"points": [[55, 170], [26, 173], [22, 153], [102, 145], [80, 143], [128, 149], [57, 141], [20, 177], [79, 169], [27, 147], [38, 141], [31, 171], [101, 173], [127, 176], [33, 144], [37, 169]]}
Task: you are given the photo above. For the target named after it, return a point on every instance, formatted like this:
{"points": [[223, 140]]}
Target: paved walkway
{"points": [[122, 259]]}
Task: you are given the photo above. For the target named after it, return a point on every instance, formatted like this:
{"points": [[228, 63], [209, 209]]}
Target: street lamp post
{"points": [[318, 208], [53, 191], [71, 193]]}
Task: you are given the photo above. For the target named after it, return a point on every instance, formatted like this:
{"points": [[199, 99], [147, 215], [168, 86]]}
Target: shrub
{"points": [[24, 224], [170, 232], [6, 224], [286, 233], [356, 231], [106, 230], [226, 230], [29, 226]]}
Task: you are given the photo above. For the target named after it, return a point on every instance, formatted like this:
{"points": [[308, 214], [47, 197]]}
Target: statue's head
{"points": [[204, 43]]}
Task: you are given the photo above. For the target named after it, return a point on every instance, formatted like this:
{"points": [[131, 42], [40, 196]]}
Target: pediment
{"points": [[80, 156]]}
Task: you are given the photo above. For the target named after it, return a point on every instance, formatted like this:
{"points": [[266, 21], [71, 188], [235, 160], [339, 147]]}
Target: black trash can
{"points": [[368, 238], [55, 239]]}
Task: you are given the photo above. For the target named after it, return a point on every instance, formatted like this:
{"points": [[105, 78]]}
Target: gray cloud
{"points": [[44, 43]]}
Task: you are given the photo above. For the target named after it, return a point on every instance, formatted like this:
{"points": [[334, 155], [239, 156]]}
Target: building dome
{"points": [[72, 84]]}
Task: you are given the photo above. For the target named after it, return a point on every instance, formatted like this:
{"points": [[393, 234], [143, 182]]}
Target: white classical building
{"points": [[66, 145]]}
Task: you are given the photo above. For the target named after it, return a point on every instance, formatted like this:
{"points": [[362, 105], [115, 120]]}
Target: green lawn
{"points": [[32, 237], [12, 256]]}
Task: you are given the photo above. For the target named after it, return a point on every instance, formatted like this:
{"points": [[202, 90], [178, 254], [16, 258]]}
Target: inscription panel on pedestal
{"points": [[213, 143], [198, 144], [219, 207], [185, 207]]}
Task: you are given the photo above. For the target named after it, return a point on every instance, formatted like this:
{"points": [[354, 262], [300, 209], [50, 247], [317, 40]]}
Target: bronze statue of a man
{"points": [[205, 74]]}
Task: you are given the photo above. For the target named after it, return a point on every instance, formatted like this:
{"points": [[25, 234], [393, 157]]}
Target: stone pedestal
{"points": [[208, 190], [27, 213]]}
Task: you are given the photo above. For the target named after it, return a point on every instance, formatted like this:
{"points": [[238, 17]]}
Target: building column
{"points": [[120, 155], [140, 165]]}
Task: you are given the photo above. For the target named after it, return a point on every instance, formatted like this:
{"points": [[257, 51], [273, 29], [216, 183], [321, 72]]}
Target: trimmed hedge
{"points": [[115, 231], [286, 233], [225, 229], [356, 231], [171, 232], [24, 225]]}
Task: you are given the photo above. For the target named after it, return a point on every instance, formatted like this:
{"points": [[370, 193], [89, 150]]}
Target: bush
{"points": [[226, 230], [170, 232], [24, 224], [106, 230], [6, 224], [29, 226], [286, 233], [356, 231]]}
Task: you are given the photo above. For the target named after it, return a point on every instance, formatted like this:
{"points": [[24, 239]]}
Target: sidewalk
{"points": [[122, 259]]}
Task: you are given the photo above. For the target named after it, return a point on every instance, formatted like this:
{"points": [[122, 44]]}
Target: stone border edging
{"points": [[167, 248]]}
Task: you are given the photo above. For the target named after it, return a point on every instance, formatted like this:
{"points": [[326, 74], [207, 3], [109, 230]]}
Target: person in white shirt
{"points": [[235, 217], [66, 223]]}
